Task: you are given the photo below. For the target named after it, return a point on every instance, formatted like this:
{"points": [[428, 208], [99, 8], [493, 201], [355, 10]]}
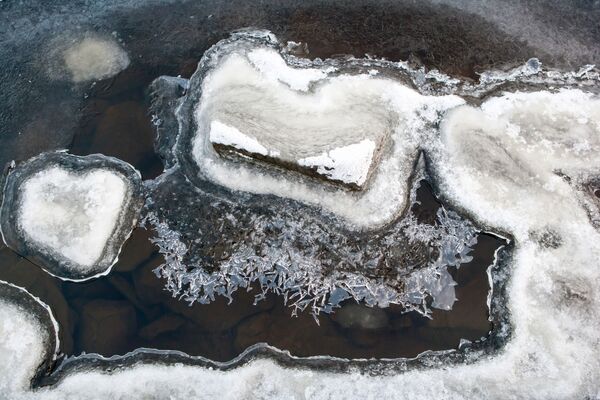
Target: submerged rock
{"points": [[93, 57], [70, 214], [354, 315], [107, 326]]}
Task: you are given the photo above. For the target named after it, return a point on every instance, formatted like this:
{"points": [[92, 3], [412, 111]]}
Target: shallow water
{"points": [[130, 308]]}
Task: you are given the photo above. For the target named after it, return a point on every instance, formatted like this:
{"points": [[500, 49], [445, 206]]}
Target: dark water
{"points": [[130, 308]]}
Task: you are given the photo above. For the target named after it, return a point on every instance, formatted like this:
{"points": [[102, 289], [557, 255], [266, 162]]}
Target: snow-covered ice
{"points": [[349, 164], [517, 163], [376, 122], [230, 136], [70, 214]]}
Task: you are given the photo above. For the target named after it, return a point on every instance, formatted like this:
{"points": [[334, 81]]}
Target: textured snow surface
{"points": [[22, 345], [71, 214]]}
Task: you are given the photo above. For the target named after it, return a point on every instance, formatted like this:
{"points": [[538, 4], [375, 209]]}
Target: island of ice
{"points": [[258, 120], [70, 214]]}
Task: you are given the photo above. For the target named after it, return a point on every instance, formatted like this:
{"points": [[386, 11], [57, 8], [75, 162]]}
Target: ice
{"points": [[21, 348], [28, 343], [373, 120], [93, 57], [553, 298], [269, 63], [355, 315], [233, 242], [70, 214], [524, 163]]}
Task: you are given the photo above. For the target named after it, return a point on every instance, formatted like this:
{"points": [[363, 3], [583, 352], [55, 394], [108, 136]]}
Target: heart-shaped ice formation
{"points": [[70, 214]]}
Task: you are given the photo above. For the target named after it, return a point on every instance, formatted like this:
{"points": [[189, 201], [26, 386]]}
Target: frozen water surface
{"points": [[523, 162], [70, 214]]}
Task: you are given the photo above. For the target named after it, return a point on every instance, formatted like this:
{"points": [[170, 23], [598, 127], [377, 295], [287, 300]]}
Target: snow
{"points": [[93, 58], [71, 214], [271, 65], [348, 164], [229, 136], [22, 346]]}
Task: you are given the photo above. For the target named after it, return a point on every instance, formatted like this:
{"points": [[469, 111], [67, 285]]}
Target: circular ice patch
{"points": [[94, 58]]}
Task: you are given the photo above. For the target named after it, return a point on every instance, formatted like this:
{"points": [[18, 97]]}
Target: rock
{"points": [[166, 323], [356, 316], [219, 315], [301, 336]]}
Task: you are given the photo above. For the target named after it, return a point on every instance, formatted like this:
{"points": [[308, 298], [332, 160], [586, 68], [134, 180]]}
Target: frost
{"points": [[286, 255]]}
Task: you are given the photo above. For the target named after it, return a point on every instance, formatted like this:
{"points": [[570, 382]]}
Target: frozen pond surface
{"points": [[511, 151]]}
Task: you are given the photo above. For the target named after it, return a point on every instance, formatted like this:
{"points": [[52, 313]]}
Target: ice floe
{"points": [[70, 214]]}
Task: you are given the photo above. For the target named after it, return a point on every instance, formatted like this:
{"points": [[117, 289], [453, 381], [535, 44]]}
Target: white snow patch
{"points": [[270, 63], [348, 164], [73, 215], [94, 58], [22, 344], [229, 136]]}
